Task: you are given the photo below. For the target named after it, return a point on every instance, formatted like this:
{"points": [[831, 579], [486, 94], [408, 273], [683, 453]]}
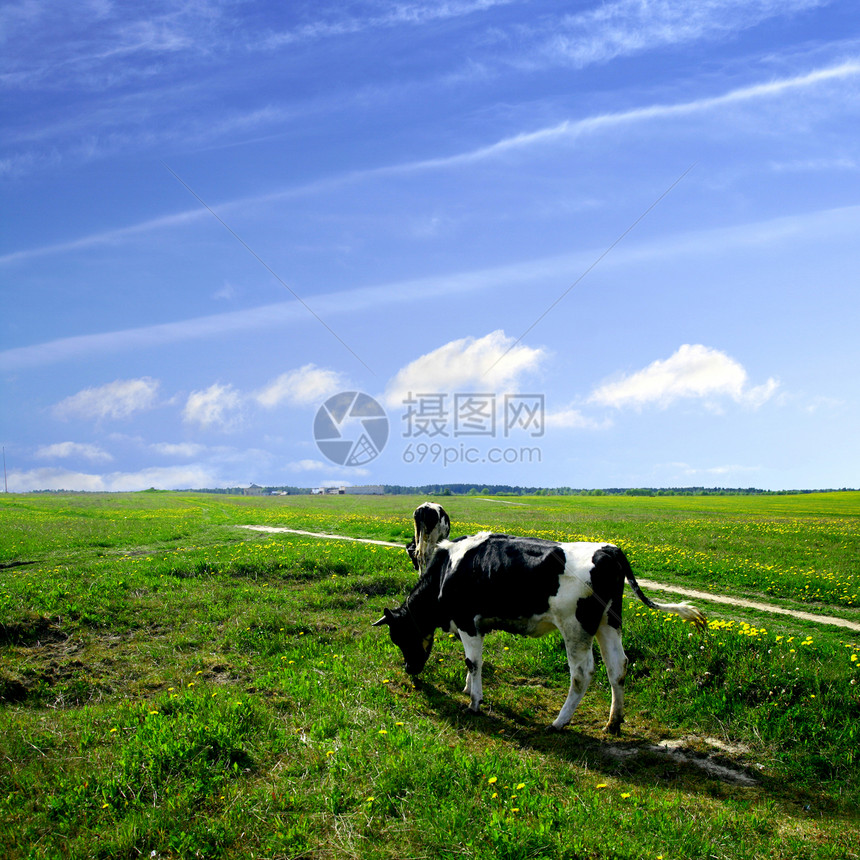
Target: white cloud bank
{"points": [[493, 363], [118, 399], [166, 478], [694, 371]]}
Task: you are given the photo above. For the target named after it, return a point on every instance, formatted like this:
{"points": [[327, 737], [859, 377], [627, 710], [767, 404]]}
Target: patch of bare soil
{"points": [[711, 755], [31, 630]]}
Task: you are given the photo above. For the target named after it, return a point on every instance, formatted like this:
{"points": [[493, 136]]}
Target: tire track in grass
{"points": [[645, 583]]}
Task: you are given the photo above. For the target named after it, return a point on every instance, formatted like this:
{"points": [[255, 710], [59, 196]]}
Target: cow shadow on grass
{"points": [[689, 763]]}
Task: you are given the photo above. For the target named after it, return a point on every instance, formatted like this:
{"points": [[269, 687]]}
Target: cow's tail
{"points": [[685, 610]]}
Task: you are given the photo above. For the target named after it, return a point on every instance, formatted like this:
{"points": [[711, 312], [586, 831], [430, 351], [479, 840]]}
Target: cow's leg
{"points": [[580, 659], [609, 639], [474, 648]]}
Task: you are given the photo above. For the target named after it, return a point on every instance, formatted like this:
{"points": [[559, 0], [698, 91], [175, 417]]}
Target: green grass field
{"points": [[172, 685]]}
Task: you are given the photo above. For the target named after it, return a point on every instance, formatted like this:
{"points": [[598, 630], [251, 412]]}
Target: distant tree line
{"points": [[504, 490], [507, 490]]}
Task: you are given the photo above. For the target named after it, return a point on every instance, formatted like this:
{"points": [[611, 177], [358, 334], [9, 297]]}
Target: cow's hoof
{"points": [[553, 729], [612, 728]]}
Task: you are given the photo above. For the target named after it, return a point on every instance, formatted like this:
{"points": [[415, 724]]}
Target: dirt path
{"points": [[751, 604], [323, 535], [646, 583]]}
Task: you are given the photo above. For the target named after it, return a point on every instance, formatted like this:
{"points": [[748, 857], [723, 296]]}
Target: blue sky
{"points": [[638, 219]]}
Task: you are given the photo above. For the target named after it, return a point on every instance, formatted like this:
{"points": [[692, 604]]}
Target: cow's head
{"points": [[405, 634], [432, 524]]}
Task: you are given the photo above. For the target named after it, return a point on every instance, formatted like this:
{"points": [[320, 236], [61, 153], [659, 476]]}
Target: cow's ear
{"points": [[386, 619]]}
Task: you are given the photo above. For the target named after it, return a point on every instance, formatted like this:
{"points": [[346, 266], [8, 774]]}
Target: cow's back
{"points": [[522, 583], [496, 576]]}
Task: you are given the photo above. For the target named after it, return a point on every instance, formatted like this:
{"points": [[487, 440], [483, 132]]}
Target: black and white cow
{"points": [[528, 586], [432, 524]]}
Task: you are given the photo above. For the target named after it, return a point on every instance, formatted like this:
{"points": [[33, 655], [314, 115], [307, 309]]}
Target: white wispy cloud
{"points": [[63, 450], [567, 130], [397, 14], [571, 418], [629, 27], [178, 449], [572, 129], [130, 57], [146, 337], [494, 363], [693, 371], [277, 315], [305, 385], [685, 471], [108, 237], [217, 406], [309, 465], [564, 268], [117, 400], [815, 165], [102, 44]]}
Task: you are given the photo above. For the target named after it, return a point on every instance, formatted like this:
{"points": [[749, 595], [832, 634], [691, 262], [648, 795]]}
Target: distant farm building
{"points": [[371, 490]]}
